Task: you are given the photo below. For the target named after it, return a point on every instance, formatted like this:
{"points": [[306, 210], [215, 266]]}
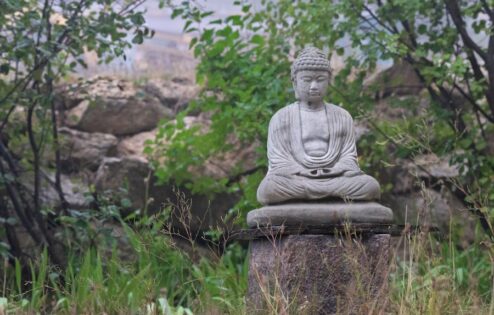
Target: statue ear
{"points": [[294, 83]]}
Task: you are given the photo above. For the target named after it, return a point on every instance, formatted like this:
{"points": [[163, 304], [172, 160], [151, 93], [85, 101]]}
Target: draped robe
{"points": [[287, 158]]}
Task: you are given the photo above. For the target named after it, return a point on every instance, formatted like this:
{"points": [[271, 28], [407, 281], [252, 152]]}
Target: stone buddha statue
{"points": [[311, 143], [311, 150]]}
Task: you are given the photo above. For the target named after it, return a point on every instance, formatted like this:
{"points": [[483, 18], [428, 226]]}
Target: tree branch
{"points": [[237, 177], [473, 102], [454, 11]]}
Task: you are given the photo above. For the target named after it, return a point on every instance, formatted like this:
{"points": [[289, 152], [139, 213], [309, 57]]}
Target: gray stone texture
{"points": [[192, 212], [174, 94], [294, 214], [318, 274], [117, 107], [84, 150], [311, 143]]}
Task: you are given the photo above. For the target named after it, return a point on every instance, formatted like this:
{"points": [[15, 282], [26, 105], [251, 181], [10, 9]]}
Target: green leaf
{"points": [[138, 38], [257, 39], [422, 29], [176, 12], [4, 68]]}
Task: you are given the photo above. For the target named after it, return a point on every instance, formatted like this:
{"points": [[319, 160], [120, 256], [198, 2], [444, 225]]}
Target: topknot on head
{"points": [[310, 58]]}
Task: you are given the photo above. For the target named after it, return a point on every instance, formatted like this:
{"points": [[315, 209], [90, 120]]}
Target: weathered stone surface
{"points": [[432, 208], [361, 129], [293, 214], [432, 166], [399, 79], [83, 150], [191, 212], [117, 107], [69, 96], [406, 175], [311, 143], [130, 173], [174, 94], [134, 145], [118, 117], [74, 189], [240, 158], [396, 108], [318, 274]]}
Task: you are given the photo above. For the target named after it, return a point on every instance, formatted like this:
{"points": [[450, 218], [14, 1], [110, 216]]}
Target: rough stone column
{"points": [[318, 274]]}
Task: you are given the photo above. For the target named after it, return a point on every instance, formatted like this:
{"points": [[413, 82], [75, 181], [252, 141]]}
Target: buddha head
{"points": [[310, 74]]}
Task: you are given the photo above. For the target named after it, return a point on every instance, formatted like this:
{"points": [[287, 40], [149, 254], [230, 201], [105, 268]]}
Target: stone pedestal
{"points": [[318, 274], [320, 214]]}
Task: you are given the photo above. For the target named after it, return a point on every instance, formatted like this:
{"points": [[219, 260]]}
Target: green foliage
{"points": [[150, 274], [244, 69], [434, 277], [43, 42]]}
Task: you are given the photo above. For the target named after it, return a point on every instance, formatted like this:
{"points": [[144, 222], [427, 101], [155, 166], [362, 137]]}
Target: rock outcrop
{"points": [[134, 145], [105, 124], [189, 211], [398, 80], [84, 150], [174, 94], [109, 115]]}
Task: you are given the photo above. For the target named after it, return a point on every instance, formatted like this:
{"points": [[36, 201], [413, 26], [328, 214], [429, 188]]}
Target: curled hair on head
{"points": [[310, 58]]}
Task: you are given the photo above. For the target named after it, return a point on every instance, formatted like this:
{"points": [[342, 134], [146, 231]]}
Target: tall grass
{"points": [[435, 277], [154, 276]]}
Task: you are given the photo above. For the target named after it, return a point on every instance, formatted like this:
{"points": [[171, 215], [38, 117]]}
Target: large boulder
{"points": [[117, 107], [83, 150], [428, 207], [190, 211], [75, 190], [421, 194], [398, 80], [68, 96], [134, 145], [174, 94], [129, 173], [432, 166], [406, 175]]}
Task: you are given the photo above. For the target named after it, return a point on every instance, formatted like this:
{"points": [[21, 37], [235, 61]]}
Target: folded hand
{"points": [[322, 173]]}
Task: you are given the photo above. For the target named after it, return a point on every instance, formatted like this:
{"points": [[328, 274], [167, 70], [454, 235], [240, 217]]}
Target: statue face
{"points": [[311, 85]]}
